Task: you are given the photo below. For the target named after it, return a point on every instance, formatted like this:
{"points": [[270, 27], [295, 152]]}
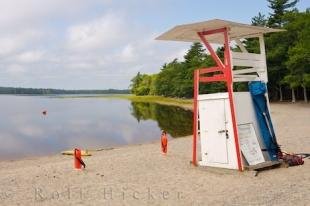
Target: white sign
{"points": [[249, 145]]}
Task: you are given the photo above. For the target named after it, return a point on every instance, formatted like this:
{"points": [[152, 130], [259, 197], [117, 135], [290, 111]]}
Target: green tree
{"points": [[252, 44], [278, 44], [195, 55], [135, 83], [259, 20], [279, 8], [298, 61], [144, 86], [306, 84], [167, 80], [153, 84], [293, 81]]}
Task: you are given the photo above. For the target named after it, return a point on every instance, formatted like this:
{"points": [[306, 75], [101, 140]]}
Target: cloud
{"points": [[15, 69], [25, 13], [102, 32], [12, 42], [8, 45], [94, 44], [128, 54], [30, 56]]}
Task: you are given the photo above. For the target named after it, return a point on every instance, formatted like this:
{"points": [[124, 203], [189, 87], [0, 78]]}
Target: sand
{"points": [[141, 175]]}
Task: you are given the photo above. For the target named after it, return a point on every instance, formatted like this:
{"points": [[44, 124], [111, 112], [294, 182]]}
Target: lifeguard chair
{"points": [[228, 125]]}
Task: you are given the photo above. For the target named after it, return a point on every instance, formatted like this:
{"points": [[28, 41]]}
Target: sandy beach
{"points": [[141, 175]]}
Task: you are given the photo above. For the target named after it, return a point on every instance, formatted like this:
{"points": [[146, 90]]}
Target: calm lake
{"points": [[88, 123]]}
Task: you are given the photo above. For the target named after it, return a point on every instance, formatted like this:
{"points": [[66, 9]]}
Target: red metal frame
{"points": [[195, 123], [225, 70]]}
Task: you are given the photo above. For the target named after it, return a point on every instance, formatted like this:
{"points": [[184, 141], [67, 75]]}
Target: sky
{"points": [[100, 44]]}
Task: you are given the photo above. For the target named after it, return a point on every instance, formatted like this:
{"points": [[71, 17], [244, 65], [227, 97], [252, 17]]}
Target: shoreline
{"points": [[183, 103]]}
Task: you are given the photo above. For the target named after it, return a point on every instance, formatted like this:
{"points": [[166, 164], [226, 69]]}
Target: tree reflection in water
{"points": [[175, 120]]}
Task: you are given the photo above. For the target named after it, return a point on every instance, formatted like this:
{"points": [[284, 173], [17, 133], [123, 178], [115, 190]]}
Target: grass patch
{"points": [[186, 103]]}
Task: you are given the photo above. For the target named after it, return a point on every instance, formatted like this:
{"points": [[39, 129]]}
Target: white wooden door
{"points": [[213, 131]]}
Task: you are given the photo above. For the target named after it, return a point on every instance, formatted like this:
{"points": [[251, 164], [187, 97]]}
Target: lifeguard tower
{"points": [[232, 130]]}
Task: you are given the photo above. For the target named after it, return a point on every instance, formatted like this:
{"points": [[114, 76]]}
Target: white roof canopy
{"points": [[188, 32]]}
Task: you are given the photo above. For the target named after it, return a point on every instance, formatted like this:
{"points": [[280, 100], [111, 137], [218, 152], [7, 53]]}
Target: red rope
{"points": [[291, 159]]}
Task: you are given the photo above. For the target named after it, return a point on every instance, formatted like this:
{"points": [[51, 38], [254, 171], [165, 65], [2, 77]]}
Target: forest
{"points": [[287, 53]]}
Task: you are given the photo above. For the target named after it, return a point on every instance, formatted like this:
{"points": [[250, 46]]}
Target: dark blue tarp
{"points": [[258, 90]]}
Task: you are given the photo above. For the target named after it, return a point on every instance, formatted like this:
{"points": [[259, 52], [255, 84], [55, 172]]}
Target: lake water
{"points": [[88, 123]]}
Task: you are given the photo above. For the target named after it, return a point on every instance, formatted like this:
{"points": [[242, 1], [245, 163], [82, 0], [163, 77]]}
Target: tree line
{"points": [[41, 91], [287, 53]]}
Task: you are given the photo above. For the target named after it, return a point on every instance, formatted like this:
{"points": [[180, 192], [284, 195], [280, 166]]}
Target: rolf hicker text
{"points": [[105, 193]]}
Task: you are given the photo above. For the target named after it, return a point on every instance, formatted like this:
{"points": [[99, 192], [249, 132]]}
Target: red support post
{"points": [[195, 116], [210, 70], [212, 52], [214, 78], [229, 83]]}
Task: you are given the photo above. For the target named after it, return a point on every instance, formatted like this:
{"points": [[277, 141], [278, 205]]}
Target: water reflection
{"points": [[82, 122], [175, 120]]}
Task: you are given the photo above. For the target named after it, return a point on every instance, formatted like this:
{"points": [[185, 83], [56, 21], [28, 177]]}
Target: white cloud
{"points": [[12, 42], [94, 44], [8, 45], [103, 32], [179, 54], [30, 56], [15, 69], [80, 65], [128, 54], [23, 13]]}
